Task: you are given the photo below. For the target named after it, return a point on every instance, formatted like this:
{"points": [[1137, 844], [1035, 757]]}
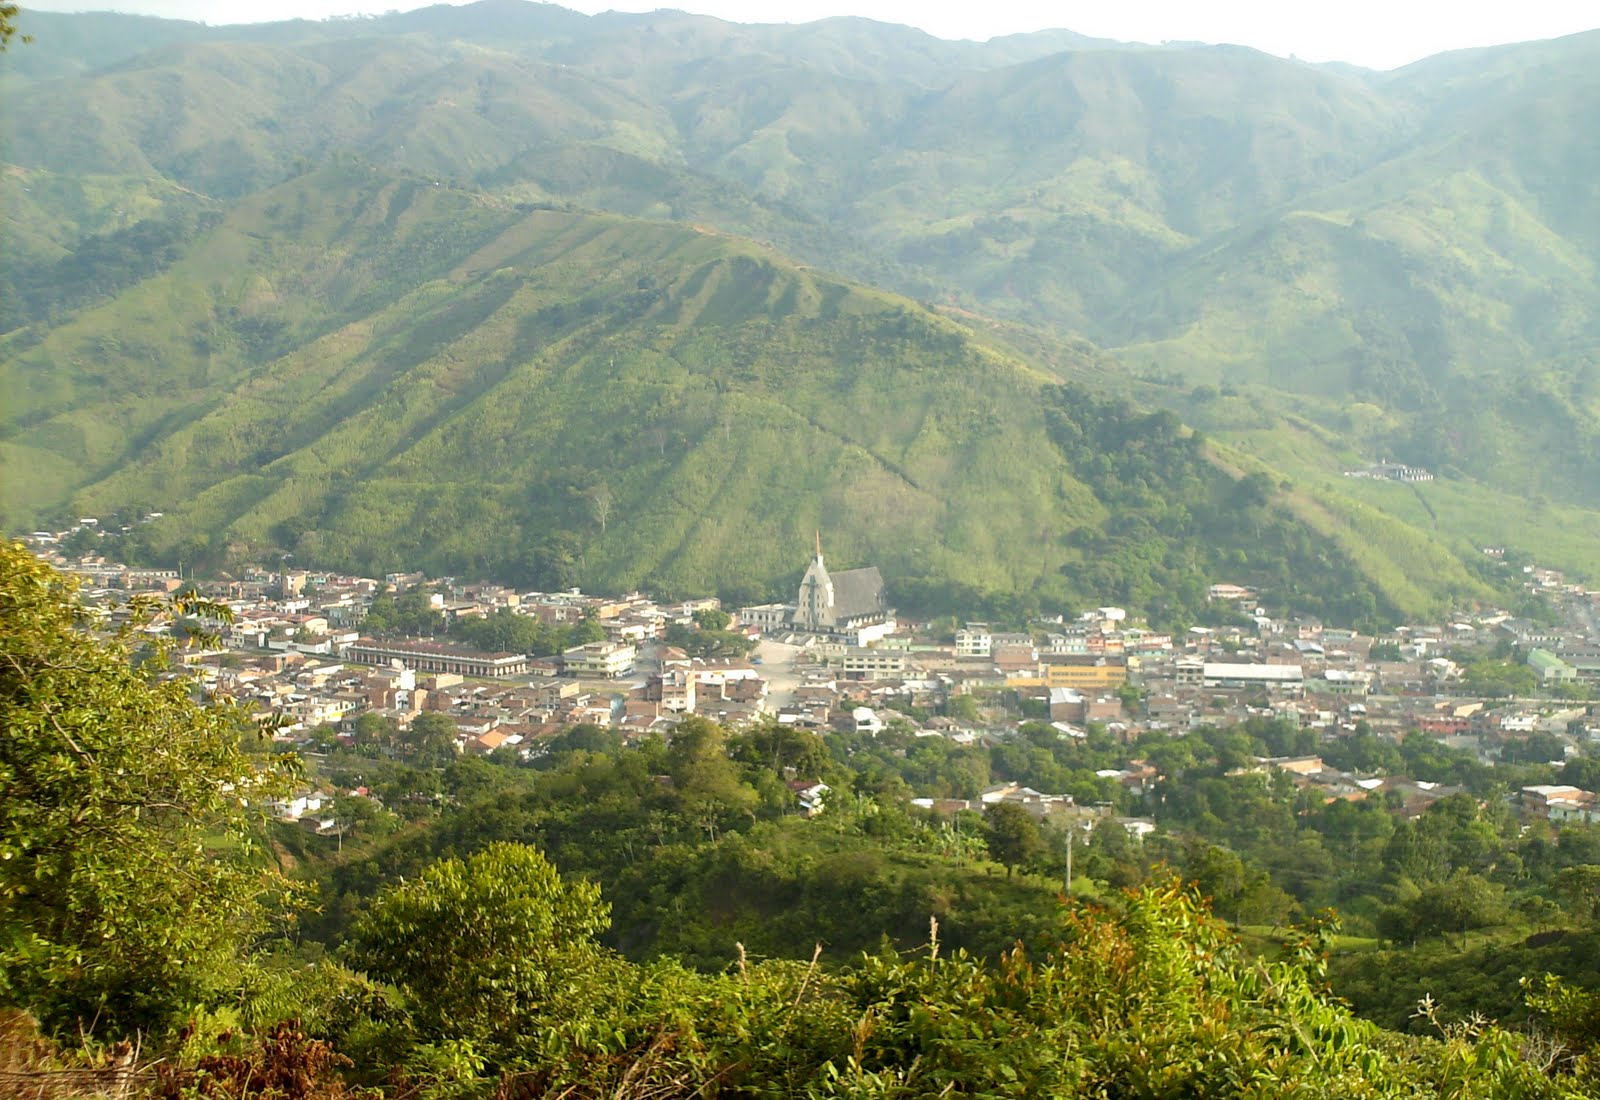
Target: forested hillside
{"points": [[1317, 267]]}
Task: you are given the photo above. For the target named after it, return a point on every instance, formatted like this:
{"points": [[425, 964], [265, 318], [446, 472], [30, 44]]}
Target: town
{"points": [[322, 660]]}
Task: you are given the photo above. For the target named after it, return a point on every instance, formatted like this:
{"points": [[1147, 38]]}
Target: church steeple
{"points": [[814, 604]]}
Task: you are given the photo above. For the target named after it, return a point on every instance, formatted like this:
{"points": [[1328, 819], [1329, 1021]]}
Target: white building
{"points": [[974, 640], [608, 660], [1271, 677]]}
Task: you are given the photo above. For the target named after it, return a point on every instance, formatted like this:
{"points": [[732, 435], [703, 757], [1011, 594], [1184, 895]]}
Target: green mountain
{"points": [[1318, 266], [375, 371]]}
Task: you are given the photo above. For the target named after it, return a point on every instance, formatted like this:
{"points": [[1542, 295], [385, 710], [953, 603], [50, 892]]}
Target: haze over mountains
{"points": [[368, 290]]}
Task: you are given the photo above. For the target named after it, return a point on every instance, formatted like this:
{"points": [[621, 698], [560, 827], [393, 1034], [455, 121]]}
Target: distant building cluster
{"points": [[837, 659], [1391, 471]]}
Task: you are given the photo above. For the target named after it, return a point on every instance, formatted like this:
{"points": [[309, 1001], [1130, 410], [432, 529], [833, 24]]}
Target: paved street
{"points": [[777, 667]]}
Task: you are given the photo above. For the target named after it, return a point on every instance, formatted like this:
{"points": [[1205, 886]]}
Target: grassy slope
{"points": [[730, 402], [377, 371]]}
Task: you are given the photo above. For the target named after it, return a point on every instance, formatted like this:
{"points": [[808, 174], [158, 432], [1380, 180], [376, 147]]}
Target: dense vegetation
{"points": [[456, 958]]}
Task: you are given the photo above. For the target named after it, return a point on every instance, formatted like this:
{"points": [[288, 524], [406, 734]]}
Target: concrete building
{"points": [[607, 660], [1085, 672], [856, 663], [1339, 681], [433, 657], [974, 640], [1551, 669], [1271, 677]]}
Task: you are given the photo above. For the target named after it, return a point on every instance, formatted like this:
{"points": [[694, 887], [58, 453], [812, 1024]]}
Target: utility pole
{"points": [[1072, 835]]}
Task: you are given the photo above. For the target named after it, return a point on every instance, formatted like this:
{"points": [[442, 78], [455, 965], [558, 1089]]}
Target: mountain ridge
{"points": [[1358, 253]]}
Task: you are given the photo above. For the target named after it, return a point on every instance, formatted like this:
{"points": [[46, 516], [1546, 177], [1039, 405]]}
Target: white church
{"points": [[848, 606]]}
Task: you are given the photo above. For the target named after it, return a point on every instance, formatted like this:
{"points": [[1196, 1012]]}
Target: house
{"points": [[1339, 681], [1067, 705], [974, 640], [866, 720], [296, 806], [810, 794], [1560, 803], [1137, 827]]}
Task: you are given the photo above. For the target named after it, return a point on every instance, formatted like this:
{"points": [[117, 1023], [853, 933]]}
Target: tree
{"points": [[963, 708], [374, 734], [705, 777], [477, 944], [8, 25], [1463, 902], [712, 618], [1496, 679], [587, 629], [1579, 888], [127, 872], [430, 740], [1220, 875], [601, 501], [1013, 836], [780, 748]]}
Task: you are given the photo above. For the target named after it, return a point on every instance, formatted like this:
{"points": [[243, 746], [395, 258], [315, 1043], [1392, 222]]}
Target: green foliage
{"points": [[408, 614], [1497, 679], [920, 441], [1156, 1000], [129, 864], [8, 24], [1012, 835], [1177, 518], [98, 268], [477, 943], [700, 641], [1573, 1016], [1385, 985], [1318, 267], [429, 741]]}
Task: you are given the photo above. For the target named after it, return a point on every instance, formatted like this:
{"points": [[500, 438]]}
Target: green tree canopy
{"points": [[478, 943], [128, 883], [1013, 835]]}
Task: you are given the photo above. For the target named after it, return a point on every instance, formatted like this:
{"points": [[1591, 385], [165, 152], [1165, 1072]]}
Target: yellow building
{"points": [[1083, 673]]}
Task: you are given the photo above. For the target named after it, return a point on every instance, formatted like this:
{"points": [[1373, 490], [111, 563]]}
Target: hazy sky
{"points": [[1377, 33]]}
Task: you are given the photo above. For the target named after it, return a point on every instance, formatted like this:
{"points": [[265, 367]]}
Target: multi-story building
{"points": [[1085, 672], [1271, 677], [974, 640], [870, 664], [433, 657], [608, 660]]}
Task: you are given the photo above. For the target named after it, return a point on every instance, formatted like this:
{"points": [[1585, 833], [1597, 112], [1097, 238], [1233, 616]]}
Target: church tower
{"points": [[814, 607]]}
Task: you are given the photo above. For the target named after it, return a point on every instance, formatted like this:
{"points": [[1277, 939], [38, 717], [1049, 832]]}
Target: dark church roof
{"points": [[858, 593]]}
